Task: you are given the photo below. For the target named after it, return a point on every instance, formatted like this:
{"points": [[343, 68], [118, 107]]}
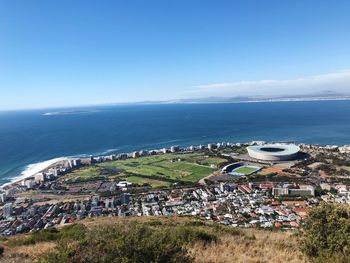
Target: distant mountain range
{"points": [[242, 99]]}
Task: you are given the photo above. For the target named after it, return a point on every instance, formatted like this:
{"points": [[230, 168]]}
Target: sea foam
{"points": [[35, 168]]}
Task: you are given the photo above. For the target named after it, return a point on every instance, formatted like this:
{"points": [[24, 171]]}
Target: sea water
{"points": [[30, 140]]}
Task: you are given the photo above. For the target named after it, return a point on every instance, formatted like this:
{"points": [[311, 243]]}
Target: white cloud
{"points": [[334, 82]]}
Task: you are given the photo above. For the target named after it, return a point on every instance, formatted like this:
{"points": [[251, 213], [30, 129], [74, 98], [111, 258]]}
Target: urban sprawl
{"points": [[220, 182]]}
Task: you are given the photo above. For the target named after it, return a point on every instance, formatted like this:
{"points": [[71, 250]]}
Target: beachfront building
{"points": [[174, 149], [39, 177], [2, 197], [164, 150], [29, 183], [211, 146], [344, 149], [135, 154]]}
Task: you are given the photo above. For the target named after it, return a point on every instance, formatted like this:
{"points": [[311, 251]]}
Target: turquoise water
{"points": [[29, 137]]}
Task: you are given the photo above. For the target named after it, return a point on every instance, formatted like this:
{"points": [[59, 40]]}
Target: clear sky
{"points": [[62, 53]]}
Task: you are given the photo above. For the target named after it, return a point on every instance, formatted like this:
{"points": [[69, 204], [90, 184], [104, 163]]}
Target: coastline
{"points": [[114, 131], [45, 166], [33, 169]]}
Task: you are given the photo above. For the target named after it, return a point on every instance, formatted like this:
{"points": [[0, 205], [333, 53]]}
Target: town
{"points": [[253, 184]]}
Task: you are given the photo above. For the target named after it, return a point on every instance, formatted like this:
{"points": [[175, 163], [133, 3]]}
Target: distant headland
{"points": [[68, 112]]}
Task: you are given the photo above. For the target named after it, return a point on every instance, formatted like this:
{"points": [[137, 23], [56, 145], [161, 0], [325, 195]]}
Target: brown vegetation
{"points": [[232, 245], [256, 246]]}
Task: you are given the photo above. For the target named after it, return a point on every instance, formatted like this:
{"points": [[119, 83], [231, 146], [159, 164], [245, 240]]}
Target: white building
{"points": [[211, 146], [2, 197], [174, 149], [29, 183], [164, 150], [135, 154], [344, 149], [39, 177]]}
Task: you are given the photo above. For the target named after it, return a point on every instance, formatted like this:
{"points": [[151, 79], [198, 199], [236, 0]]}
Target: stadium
{"points": [[240, 169], [274, 152]]}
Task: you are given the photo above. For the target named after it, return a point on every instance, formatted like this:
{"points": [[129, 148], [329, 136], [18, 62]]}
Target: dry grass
{"points": [[269, 247], [24, 254]]}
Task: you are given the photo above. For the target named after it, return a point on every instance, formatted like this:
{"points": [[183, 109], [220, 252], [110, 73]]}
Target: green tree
{"points": [[327, 233]]}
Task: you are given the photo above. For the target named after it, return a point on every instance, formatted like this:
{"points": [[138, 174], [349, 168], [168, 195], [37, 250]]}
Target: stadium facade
{"points": [[274, 152]]}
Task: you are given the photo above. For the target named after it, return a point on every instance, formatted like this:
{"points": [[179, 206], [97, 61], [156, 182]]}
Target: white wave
{"points": [[108, 151], [87, 155], [35, 168]]}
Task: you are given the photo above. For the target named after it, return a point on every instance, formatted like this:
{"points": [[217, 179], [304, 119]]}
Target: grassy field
{"points": [[236, 149], [346, 168], [157, 170], [169, 167], [86, 172], [245, 170], [152, 182]]}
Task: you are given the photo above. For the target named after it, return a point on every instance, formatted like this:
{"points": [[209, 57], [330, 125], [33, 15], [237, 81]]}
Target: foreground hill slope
{"points": [[113, 239]]}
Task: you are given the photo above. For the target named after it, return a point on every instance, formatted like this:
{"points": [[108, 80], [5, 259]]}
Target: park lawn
{"points": [[238, 150], [188, 171], [245, 170], [167, 166], [85, 173], [212, 160], [346, 168], [152, 182]]}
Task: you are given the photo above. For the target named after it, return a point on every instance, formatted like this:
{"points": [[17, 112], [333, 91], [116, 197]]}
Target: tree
{"points": [[327, 233]]}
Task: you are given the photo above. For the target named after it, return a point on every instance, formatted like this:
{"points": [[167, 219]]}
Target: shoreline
{"points": [[29, 171], [33, 169], [42, 167]]}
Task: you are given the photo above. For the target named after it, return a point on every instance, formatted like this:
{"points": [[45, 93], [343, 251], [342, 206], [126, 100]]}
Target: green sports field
{"points": [[157, 170], [245, 170]]}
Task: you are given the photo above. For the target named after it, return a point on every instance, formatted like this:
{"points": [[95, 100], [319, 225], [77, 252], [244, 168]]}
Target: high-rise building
{"points": [[125, 198], [7, 210]]}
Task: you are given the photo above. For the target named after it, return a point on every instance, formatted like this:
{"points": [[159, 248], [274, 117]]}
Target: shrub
{"points": [[135, 243], [49, 234], [75, 231], [195, 223], [189, 234], [153, 223], [327, 233]]}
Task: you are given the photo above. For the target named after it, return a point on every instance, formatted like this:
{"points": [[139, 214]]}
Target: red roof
{"points": [[266, 186], [293, 223], [278, 224], [276, 203], [301, 209], [300, 202]]}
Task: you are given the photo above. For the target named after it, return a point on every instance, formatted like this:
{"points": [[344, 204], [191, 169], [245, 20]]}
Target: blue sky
{"points": [[63, 53]]}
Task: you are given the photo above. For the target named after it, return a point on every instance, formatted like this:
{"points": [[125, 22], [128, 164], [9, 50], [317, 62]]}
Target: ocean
{"points": [[29, 140]]}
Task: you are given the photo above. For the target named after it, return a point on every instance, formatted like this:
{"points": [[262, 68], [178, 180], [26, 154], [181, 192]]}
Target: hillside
{"points": [[166, 239]]}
